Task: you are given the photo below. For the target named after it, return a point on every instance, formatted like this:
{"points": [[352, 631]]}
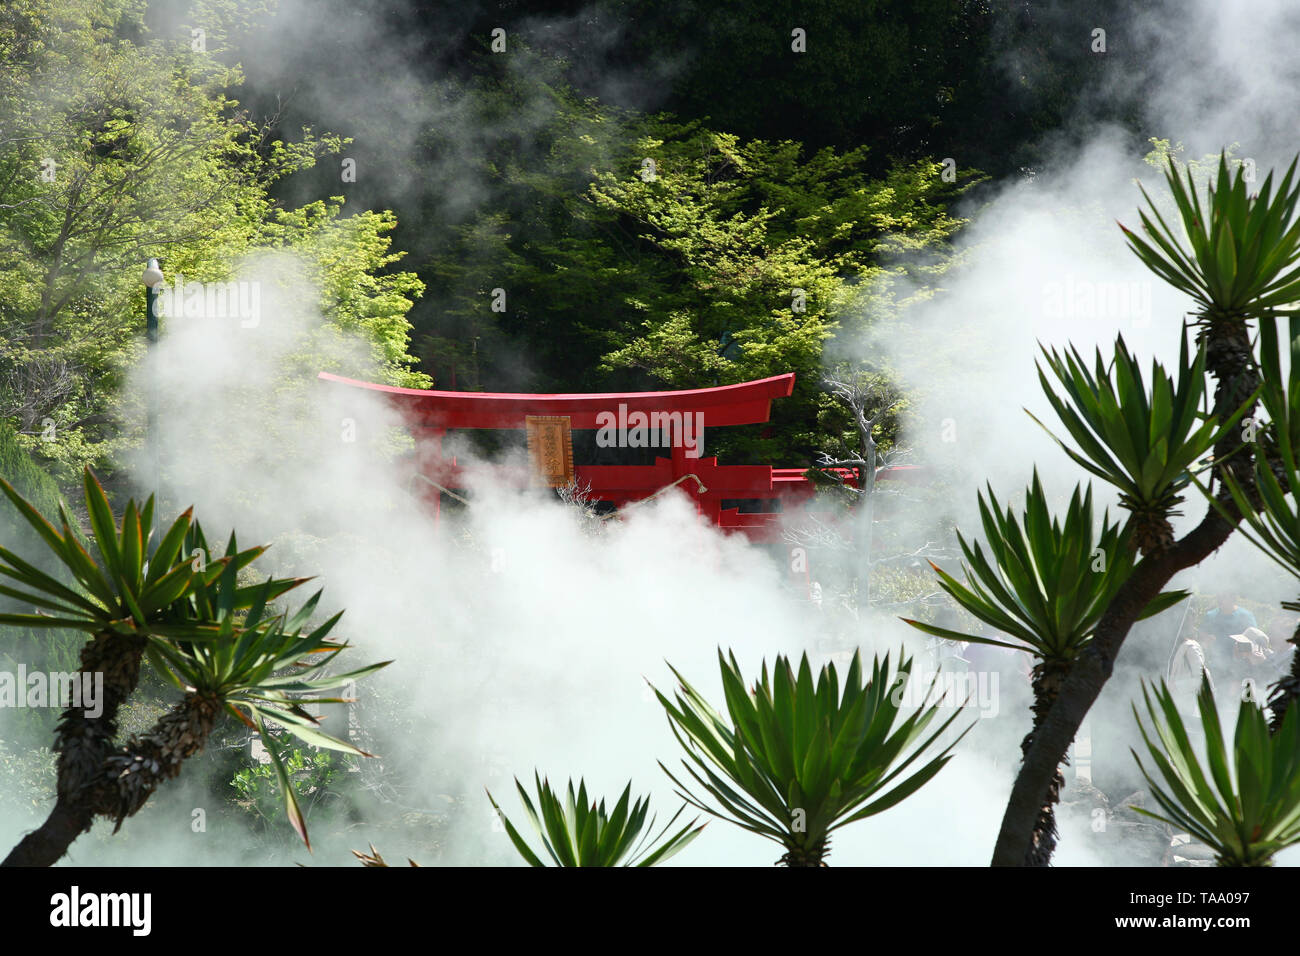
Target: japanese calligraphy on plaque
{"points": [[550, 446]]}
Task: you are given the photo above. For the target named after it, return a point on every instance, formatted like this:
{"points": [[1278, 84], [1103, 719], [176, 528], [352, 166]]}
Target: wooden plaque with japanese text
{"points": [[550, 446]]}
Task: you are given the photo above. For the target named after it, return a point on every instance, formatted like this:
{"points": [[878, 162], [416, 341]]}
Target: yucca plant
{"points": [[1279, 388], [1244, 248], [1145, 443], [1243, 263], [578, 832], [1238, 256], [189, 615], [799, 760], [259, 668], [1044, 584], [1247, 807], [1272, 514]]}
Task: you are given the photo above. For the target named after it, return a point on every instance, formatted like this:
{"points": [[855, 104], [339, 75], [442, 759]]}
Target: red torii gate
{"points": [[429, 414]]}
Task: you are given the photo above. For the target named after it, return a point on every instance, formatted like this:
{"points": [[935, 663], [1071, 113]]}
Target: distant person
{"points": [[1226, 617], [1234, 645]]}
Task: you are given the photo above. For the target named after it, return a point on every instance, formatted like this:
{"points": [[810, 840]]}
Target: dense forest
{"points": [[416, 169]]}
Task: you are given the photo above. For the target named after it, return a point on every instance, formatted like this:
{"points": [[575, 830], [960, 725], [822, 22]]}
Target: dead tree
{"points": [[869, 403]]}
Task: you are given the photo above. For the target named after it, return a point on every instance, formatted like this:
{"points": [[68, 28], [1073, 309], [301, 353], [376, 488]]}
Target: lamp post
{"points": [[153, 280]]}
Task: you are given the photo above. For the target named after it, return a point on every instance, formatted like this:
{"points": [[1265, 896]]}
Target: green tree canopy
{"points": [[118, 145], [650, 253]]}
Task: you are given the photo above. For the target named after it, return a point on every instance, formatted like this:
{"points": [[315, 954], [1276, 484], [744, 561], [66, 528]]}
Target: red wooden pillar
{"points": [[429, 463], [708, 509]]}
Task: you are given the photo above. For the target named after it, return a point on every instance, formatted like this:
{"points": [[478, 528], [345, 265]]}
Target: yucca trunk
{"points": [[1048, 677], [1152, 531], [82, 742], [1288, 688], [83, 745], [146, 761], [97, 778], [809, 854], [1229, 358]]}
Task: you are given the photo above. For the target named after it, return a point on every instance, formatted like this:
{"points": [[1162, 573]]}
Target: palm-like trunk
{"points": [[1047, 680], [146, 761], [83, 744], [97, 778], [809, 854]]}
